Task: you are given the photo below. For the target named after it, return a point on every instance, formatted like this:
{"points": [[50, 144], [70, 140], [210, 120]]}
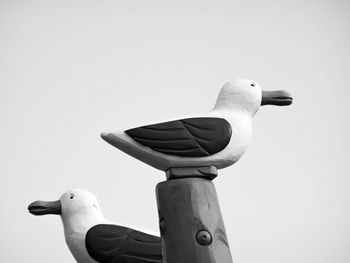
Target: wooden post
{"points": [[190, 150], [191, 225]]}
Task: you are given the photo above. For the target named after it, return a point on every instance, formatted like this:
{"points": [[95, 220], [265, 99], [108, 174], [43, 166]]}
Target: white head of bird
{"points": [[78, 205], [246, 95], [77, 208]]}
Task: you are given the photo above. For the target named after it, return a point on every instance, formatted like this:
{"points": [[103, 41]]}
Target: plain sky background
{"points": [[72, 69]]}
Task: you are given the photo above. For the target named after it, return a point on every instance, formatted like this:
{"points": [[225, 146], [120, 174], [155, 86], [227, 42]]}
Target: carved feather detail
{"points": [[116, 244], [192, 137]]}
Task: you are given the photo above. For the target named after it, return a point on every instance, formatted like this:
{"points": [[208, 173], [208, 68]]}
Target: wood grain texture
{"points": [[207, 172], [189, 208]]}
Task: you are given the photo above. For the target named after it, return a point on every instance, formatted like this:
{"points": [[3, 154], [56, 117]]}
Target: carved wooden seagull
{"points": [[214, 139], [91, 238]]}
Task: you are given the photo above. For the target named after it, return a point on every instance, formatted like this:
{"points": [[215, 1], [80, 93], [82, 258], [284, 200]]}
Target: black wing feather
{"points": [[192, 137], [116, 244]]}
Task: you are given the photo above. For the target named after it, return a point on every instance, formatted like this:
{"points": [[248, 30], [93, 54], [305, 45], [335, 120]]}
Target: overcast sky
{"points": [[72, 69]]}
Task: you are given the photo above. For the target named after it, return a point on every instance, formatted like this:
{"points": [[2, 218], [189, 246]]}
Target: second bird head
{"points": [[243, 94]]}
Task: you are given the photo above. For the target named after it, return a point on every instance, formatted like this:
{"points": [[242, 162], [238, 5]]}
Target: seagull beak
{"points": [[40, 208], [278, 98]]}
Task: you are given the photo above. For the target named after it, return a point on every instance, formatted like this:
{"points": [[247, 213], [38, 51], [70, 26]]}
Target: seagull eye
{"points": [[252, 84], [71, 196]]}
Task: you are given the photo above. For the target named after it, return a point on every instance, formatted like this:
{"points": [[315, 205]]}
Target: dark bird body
{"points": [[192, 137], [116, 244]]}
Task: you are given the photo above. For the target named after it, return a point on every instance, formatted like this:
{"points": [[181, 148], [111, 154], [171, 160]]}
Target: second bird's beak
{"points": [[278, 98], [40, 208]]}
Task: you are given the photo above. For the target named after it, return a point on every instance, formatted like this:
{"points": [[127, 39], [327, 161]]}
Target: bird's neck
{"points": [[231, 110], [80, 223], [223, 104], [227, 105]]}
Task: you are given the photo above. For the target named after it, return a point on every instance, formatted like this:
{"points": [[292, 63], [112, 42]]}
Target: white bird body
{"points": [[75, 233], [241, 124]]}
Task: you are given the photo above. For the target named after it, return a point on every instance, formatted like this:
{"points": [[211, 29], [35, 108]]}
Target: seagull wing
{"points": [[116, 244], [192, 137]]}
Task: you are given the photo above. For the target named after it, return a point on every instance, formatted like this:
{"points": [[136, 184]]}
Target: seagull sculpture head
{"points": [[243, 94], [72, 205]]}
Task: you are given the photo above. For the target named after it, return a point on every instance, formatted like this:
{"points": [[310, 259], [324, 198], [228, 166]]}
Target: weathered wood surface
{"points": [[207, 172], [191, 225]]}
